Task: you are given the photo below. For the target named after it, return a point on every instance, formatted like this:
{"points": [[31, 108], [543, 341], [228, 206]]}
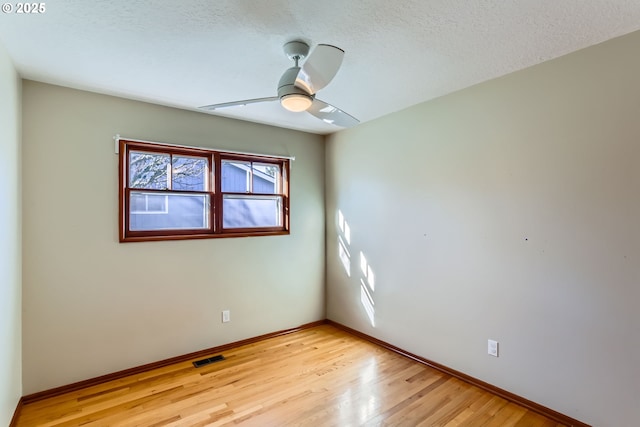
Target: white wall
{"points": [[94, 306], [508, 210], [10, 240]]}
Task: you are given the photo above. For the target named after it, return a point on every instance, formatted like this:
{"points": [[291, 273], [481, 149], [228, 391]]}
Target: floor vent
{"points": [[203, 362]]}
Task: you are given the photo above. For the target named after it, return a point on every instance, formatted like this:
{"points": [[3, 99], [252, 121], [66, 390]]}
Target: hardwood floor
{"points": [[320, 376]]}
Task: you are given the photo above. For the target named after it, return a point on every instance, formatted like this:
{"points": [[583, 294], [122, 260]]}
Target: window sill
{"points": [[157, 238]]}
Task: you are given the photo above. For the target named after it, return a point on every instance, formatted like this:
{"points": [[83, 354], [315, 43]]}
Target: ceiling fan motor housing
{"points": [[287, 86]]}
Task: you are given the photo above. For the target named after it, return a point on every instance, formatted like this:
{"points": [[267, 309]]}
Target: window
{"points": [[169, 192]]}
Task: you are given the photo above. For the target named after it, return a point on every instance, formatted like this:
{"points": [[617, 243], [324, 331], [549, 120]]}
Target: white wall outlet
{"points": [[492, 348], [226, 316]]}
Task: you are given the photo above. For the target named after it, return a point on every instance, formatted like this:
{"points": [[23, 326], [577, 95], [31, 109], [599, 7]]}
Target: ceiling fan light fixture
{"points": [[296, 102]]}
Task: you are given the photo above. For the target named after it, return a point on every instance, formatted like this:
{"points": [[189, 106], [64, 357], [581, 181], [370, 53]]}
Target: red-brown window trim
{"points": [[215, 158]]}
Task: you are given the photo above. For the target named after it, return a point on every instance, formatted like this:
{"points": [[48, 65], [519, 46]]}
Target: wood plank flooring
{"points": [[317, 377]]}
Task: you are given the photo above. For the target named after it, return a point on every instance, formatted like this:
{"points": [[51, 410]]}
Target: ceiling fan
{"points": [[298, 85]]}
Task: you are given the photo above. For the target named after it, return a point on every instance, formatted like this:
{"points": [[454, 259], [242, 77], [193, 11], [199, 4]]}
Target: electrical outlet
{"points": [[226, 316], [492, 348]]}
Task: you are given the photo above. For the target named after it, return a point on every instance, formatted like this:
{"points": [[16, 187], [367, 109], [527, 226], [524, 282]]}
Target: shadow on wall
{"points": [[366, 275]]}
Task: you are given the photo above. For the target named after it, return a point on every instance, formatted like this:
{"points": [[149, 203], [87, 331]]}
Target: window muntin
{"points": [[172, 192]]}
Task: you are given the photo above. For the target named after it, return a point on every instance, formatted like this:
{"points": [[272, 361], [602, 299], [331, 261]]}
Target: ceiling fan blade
{"points": [[319, 68], [332, 115], [237, 103]]}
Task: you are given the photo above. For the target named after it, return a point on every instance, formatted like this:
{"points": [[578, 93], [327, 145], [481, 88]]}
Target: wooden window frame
{"points": [[215, 193]]}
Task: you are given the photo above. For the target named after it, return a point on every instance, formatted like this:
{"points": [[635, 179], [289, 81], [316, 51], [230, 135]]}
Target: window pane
{"points": [[265, 178], [148, 170], [168, 211], [190, 173], [157, 203], [235, 176], [252, 211], [148, 203], [137, 202]]}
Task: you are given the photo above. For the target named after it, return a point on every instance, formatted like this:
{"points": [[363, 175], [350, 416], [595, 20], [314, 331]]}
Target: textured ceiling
{"points": [[195, 52]]}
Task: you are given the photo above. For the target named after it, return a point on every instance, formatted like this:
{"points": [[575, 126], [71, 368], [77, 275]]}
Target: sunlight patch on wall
{"points": [[367, 302], [367, 272], [367, 287], [344, 240], [345, 257], [344, 227], [367, 277]]}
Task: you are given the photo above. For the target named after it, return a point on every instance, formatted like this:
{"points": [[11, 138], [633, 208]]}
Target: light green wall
{"points": [[10, 240], [506, 211], [95, 306]]}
